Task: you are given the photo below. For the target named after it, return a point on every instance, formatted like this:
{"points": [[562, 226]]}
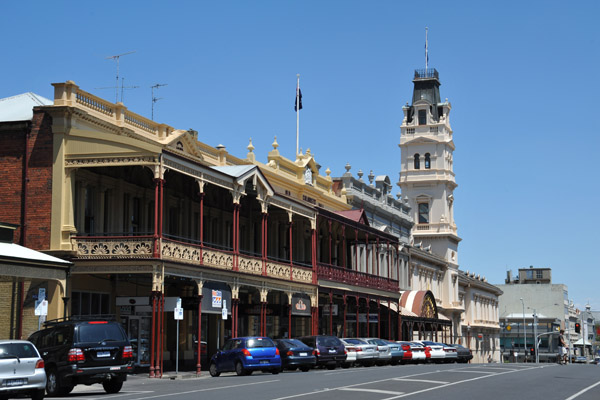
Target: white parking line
{"points": [[421, 380], [467, 371], [583, 391], [371, 391], [205, 390]]}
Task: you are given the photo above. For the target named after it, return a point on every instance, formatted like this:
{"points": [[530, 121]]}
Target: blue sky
{"points": [[521, 77]]}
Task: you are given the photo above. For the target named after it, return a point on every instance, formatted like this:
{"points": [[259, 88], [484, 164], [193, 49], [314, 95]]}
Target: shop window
{"points": [[89, 303]]}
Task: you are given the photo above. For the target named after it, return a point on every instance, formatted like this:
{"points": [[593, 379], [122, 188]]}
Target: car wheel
{"points": [[38, 394], [52, 385], [239, 369], [331, 366], [275, 371], [304, 369], [214, 372], [112, 385]]}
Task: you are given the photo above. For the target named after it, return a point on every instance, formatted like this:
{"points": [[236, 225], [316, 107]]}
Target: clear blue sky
{"points": [[521, 77]]}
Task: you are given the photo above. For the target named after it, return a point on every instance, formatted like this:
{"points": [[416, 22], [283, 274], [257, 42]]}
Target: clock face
{"points": [[428, 310]]}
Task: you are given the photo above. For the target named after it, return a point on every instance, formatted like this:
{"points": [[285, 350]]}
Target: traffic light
{"points": [[532, 351], [577, 327]]}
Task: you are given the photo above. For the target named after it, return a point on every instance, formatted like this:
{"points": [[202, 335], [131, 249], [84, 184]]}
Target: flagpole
{"points": [[426, 50], [297, 115]]}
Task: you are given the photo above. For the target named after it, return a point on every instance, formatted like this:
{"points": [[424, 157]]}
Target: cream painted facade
{"points": [[427, 181]]}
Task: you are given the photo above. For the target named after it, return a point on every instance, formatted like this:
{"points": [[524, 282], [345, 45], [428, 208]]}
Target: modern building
{"points": [[532, 306]]}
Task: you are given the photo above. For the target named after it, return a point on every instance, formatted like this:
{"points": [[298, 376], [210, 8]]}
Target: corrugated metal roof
{"points": [[20, 107], [16, 251], [234, 170]]}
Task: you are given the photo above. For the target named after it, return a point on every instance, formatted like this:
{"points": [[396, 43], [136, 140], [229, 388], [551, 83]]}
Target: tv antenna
{"points": [[155, 99], [122, 87], [116, 58]]}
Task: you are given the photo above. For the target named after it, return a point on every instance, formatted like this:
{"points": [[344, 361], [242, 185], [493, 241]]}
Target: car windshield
{"points": [[329, 341], [97, 333], [259, 342], [18, 350], [292, 343], [380, 342]]}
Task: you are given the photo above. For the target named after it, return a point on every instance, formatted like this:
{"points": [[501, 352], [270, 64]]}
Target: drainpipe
{"points": [[22, 239]]}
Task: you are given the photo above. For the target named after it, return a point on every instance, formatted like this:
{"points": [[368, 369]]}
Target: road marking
{"points": [[450, 384], [371, 391], [583, 391], [206, 390], [421, 380]]}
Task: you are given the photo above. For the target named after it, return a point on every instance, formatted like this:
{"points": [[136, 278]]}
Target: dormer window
{"points": [[427, 161], [417, 161], [422, 117]]}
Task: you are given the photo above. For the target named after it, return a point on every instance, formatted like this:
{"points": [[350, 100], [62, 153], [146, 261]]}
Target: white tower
{"points": [[426, 176]]}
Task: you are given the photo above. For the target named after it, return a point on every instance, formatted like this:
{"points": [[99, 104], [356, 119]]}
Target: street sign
{"points": [[41, 307], [178, 313], [224, 310]]}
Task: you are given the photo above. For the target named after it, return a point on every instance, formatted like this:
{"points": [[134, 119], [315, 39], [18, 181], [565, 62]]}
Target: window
{"points": [[423, 213], [422, 117], [539, 274], [427, 161], [417, 161], [86, 303]]}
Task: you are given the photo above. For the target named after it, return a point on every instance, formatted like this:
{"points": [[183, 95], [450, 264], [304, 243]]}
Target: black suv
{"points": [[83, 350], [330, 350]]}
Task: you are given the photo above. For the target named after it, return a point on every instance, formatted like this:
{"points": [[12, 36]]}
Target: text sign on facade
{"points": [[217, 298]]}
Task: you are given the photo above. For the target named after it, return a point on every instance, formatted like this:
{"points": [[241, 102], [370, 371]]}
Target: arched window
{"points": [[417, 161], [427, 161]]}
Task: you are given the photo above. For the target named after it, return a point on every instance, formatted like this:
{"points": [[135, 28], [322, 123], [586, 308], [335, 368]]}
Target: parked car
{"points": [[436, 350], [464, 355], [21, 370], [385, 354], [245, 355], [419, 353], [84, 351], [330, 350], [407, 347], [451, 353], [365, 354], [295, 354], [396, 350]]}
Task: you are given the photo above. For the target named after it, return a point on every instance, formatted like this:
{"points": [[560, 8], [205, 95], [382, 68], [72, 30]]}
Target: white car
{"points": [[418, 352], [385, 353], [366, 354], [21, 370], [350, 354], [438, 355]]}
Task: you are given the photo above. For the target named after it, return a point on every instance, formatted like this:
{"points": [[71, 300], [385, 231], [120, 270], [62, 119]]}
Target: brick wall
{"points": [[39, 196]]}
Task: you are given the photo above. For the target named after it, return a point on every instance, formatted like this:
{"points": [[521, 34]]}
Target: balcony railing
{"points": [[355, 278], [141, 247]]}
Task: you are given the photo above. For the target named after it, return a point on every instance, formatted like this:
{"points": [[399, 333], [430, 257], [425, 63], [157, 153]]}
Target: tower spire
{"points": [[426, 49]]}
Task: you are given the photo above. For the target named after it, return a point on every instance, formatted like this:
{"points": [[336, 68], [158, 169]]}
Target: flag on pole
{"points": [[298, 102]]}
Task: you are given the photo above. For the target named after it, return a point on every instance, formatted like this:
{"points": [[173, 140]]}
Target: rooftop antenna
{"points": [[426, 50], [116, 58], [155, 99], [122, 87]]}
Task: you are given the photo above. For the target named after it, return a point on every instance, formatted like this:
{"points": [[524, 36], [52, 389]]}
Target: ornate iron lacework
{"points": [[106, 249], [181, 252], [302, 275], [250, 265], [280, 271], [218, 260], [111, 160]]}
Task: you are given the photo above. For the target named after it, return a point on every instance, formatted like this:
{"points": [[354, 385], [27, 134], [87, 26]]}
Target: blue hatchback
{"points": [[245, 355]]}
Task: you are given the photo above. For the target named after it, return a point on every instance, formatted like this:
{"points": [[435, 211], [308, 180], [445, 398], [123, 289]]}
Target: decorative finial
{"points": [[250, 147], [371, 177], [275, 144], [348, 166], [328, 172], [360, 174]]}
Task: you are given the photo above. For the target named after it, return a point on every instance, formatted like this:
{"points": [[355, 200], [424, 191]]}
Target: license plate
{"points": [[264, 361], [15, 382], [103, 354], [115, 368], [332, 351], [303, 354]]}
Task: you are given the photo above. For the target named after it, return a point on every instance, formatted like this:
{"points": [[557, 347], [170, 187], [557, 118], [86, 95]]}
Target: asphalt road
{"points": [[453, 381]]}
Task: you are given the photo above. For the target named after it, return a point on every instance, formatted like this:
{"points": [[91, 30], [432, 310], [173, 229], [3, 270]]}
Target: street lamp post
{"points": [[524, 332]]}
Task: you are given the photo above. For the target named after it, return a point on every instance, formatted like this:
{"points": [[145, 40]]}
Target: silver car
{"points": [[365, 354], [21, 370], [385, 353]]}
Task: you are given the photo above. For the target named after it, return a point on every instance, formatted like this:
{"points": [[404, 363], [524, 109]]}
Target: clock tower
{"points": [[427, 178]]}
